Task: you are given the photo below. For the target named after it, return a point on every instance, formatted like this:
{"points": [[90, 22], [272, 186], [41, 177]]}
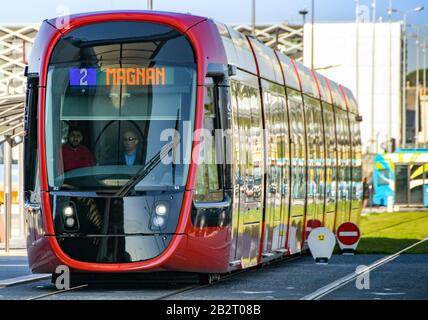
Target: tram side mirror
{"points": [[216, 71], [231, 70], [220, 72], [206, 205], [359, 118]]}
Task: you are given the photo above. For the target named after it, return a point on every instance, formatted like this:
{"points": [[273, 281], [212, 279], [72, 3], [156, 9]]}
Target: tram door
{"points": [[356, 178], [298, 171], [331, 164], [248, 170], [311, 145], [277, 168], [315, 147], [343, 203]]}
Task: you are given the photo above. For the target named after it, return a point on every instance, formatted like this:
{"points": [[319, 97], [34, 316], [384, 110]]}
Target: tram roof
{"points": [[277, 67], [186, 20], [268, 63]]}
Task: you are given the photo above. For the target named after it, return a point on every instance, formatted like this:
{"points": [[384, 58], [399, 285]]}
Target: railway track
{"points": [[39, 281], [58, 292], [335, 285]]}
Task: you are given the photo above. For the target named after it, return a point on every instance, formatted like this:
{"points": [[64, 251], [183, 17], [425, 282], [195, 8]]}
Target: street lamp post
{"points": [[149, 4], [404, 82], [424, 83], [403, 94], [253, 18], [417, 90], [423, 46], [389, 78], [372, 124], [303, 12], [357, 50], [417, 84], [312, 34], [424, 51]]}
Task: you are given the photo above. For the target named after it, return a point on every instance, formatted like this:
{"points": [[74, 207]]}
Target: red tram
{"points": [[112, 96]]}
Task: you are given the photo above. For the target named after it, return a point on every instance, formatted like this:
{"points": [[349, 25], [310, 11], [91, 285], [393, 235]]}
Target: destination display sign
{"points": [[154, 76]]}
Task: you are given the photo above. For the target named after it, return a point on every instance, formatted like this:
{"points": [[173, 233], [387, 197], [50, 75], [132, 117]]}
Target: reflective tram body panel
{"points": [[356, 189], [276, 152], [344, 155], [290, 159], [297, 155], [315, 147]]}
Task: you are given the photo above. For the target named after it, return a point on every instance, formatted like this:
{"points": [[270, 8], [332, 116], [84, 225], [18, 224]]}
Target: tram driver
{"points": [[131, 153]]}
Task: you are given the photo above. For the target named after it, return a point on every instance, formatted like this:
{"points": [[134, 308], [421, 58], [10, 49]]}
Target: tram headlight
{"points": [[69, 222], [159, 216], [161, 209], [69, 217], [68, 211], [158, 222]]}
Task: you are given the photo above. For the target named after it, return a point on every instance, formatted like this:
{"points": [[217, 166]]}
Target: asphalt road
{"points": [[11, 267], [406, 277], [288, 280]]}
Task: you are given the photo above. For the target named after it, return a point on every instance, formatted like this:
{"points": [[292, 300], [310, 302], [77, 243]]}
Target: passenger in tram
{"points": [[74, 154]]}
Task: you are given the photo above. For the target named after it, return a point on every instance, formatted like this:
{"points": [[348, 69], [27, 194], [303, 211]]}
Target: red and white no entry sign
{"points": [[312, 224], [348, 235]]}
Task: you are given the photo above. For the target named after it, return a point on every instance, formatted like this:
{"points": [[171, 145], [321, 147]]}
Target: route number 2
{"points": [[83, 76]]}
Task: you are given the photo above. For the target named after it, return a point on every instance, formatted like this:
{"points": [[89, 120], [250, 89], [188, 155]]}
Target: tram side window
{"points": [[320, 141], [208, 184], [277, 153], [245, 161], [339, 140], [356, 167], [343, 160], [311, 145], [331, 154], [250, 152], [298, 138], [348, 156], [256, 142], [30, 139]]}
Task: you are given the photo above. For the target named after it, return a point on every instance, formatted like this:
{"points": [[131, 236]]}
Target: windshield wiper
{"points": [[173, 153], [144, 171]]}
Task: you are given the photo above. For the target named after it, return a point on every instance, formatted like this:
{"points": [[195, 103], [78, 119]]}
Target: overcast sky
{"points": [[227, 11]]}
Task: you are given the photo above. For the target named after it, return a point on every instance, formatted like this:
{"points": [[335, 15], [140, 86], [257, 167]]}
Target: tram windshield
{"points": [[118, 94]]}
